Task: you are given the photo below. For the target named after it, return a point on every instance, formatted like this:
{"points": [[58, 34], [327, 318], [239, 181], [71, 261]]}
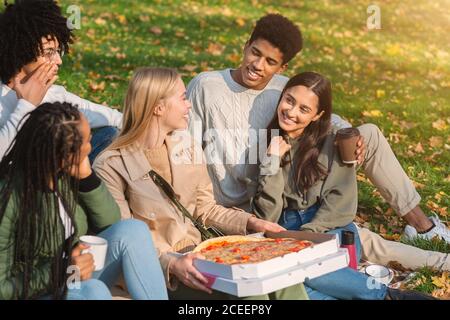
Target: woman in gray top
{"points": [[304, 185], [302, 171]]}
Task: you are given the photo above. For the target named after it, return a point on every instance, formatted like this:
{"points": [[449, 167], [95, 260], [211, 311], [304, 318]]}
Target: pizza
{"points": [[240, 249]]}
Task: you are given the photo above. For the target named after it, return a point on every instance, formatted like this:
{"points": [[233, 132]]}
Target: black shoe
{"points": [[395, 294]]}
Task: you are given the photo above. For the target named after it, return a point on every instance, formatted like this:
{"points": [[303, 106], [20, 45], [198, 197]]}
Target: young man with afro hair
{"points": [[34, 36], [228, 104]]}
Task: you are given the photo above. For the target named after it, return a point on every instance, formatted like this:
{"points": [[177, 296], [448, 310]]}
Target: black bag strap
{"points": [[170, 193]]}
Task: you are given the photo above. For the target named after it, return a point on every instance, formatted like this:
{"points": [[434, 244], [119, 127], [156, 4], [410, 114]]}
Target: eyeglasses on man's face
{"points": [[50, 53]]}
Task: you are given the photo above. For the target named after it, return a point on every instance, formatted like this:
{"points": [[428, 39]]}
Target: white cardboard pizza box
{"points": [[324, 244], [281, 279]]}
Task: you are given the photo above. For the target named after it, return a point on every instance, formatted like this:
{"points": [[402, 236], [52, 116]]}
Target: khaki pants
{"points": [[385, 172], [295, 292], [378, 250]]}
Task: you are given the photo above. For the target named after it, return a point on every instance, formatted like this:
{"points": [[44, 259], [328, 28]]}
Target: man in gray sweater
{"points": [[33, 38], [231, 106]]}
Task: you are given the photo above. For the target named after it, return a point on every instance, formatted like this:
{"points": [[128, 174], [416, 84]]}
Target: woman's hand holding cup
{"points": [[84, 261]]}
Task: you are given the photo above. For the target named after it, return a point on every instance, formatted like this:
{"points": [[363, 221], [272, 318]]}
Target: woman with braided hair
{"points": [[49, 197]]}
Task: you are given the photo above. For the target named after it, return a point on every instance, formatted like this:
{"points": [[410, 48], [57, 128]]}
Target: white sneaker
{"points": [[410, 232], [440, 230]]}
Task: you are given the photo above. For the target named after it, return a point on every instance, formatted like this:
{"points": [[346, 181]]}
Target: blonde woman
{"points": [[156, 109]]}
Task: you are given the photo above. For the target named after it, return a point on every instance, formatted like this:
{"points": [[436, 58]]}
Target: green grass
{"points": [[401, 73], [423, 281], [407, 62], [432, 245], [402, 70]]}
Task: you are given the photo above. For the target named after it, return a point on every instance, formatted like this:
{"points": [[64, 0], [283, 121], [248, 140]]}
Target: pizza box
{"points": [[324, 244], [281, 279]]}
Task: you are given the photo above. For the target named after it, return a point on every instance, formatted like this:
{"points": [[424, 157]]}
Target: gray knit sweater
{"points": [[226, 119]]}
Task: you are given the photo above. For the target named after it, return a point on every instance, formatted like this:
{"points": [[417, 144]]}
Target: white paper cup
{"points": [[97, 247], [380, 273]]}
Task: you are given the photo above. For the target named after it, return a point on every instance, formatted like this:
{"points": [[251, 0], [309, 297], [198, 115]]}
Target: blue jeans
{"points": [[131, 252], [101, 138], [346, 283]]}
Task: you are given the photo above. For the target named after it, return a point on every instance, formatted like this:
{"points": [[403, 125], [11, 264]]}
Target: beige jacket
{"points": [[125, 172]]}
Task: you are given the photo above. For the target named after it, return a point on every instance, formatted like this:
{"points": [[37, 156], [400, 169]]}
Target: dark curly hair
{"points": [[281, 33], [22, 25]]}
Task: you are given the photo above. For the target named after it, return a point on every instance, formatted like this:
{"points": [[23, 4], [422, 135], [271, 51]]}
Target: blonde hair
{"points": [[146, 89]]}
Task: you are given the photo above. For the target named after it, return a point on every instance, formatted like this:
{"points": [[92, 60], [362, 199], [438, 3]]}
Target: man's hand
{"points": [[361, 150], [33, 88], [278, 147], [185, 271], [258, 225], [84, 262]]}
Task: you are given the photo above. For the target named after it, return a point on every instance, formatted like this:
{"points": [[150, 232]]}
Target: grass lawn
{"points": [[397, 77]]}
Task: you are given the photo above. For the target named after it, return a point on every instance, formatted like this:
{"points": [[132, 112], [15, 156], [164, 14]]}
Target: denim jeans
{"points": [[101, 138], [131, 252], [345, 283]]}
